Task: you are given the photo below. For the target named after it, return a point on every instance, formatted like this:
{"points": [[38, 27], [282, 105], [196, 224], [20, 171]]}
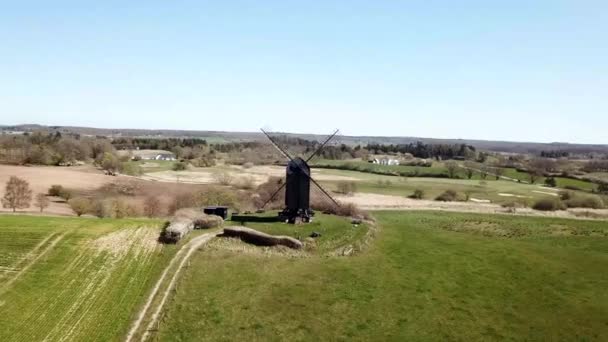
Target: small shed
{"points": [[221, 211]]}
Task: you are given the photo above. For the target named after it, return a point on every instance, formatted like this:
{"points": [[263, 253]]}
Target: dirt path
{"points": [[182, 257]]}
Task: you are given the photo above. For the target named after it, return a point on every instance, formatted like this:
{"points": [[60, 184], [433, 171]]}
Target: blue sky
{"points": [[499, 70]]}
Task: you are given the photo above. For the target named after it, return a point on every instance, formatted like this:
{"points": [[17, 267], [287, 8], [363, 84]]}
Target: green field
{"points": [[75, 278], [427, 276], [432, 187], [438, 170], [148, 166]]}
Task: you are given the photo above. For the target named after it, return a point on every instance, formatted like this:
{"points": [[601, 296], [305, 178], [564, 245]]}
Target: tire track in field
{"points": [[186, 251], [27, 255], [48, 248], [137, 251]]}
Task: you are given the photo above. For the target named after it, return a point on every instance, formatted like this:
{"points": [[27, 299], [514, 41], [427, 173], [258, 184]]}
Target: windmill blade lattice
{"points": [[298, 179]]}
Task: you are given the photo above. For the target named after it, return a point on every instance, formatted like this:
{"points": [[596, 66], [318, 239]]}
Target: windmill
{"points": [[297, 185]]}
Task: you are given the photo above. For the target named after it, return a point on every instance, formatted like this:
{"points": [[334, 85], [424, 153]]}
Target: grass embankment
{"points": [[75, 278], [428, 276], [336, 232]]}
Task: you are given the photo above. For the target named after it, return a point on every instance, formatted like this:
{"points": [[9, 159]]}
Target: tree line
{"points": [[426, 151], [51, 148], [554, 154], [156, 143]]}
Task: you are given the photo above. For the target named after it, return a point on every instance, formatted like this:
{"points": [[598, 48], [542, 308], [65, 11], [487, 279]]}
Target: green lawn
{"points": [[81, 279], [428, 276], [146, 166], [363, 166], [438, 170]]}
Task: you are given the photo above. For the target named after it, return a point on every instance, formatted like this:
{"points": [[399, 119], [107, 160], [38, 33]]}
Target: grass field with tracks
{"points": [[75, 278], [427, 276]]}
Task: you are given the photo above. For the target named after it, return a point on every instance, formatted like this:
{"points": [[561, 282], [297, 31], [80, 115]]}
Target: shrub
{"points": [[548, 204], [199, 219], [565, 195], [131, 169], [584, 201], [179, 166], [204, 161], [223, 178], [66, 194], [346, 187], [511, 206], [218, 196], [101, 208], [125, 188], [55, 190], [246, 183], [418, 194], [60, 191], [207, 221], [152, 206], [121, 209], [550, 182], [183, 200], [80, 205], [447, 196], [344, 209], [266, 190]]}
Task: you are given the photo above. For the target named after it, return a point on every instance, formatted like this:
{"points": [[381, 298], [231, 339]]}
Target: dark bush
{"points": [[565, 195], [60, 191], [180, 166], [55, 190], [448, 196], [548, 204], [550, 182], [418, 194]]}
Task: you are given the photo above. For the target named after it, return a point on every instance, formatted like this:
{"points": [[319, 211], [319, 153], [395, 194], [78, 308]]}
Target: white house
{"points": [[386, 161], [165, 156]]}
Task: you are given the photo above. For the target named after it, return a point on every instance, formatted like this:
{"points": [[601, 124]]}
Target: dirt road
{"points": [[180, 258]]}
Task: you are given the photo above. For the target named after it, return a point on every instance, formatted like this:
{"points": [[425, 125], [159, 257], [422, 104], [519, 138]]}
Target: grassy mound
{"points": [[428, 276]]}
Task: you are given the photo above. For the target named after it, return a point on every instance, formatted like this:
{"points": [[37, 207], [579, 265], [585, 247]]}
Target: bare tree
{"points": [[42, 202], [17, 194], [483, 172], [452, 168], [152, 206], [499, 172], [534, 175], [469, 169], [223, 177]]}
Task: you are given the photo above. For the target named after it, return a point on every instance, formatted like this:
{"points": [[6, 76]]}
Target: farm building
{"points": [[138, 154], [385, 161], [165, 156]]}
